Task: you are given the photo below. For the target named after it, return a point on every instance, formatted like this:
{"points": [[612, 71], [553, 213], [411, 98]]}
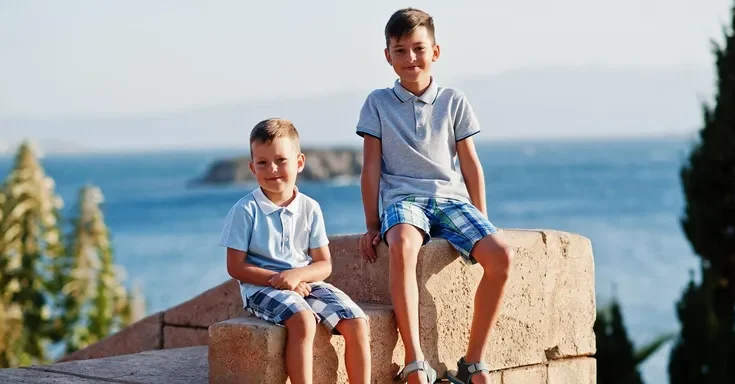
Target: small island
{"points": [[321, 165]]}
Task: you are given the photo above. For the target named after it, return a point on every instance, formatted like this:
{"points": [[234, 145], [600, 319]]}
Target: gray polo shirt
{"points": [[418, 136]]}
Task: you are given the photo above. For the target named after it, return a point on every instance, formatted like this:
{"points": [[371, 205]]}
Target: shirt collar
{"points": [[268, 207], [428, 97]]}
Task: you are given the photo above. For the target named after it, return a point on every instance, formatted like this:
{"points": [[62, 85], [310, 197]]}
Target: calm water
{"points": [[624, 195]]}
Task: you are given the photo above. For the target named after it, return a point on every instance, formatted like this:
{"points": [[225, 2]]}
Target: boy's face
{"points": [[276, 164], [412, 55]]}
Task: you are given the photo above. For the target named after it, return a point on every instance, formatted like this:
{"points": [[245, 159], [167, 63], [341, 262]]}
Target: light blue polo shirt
{"points": [[274, 237], [419, 136]]}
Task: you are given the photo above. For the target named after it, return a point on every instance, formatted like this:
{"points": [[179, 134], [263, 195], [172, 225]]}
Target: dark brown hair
{"points": [[265, 131], [404, 21]]}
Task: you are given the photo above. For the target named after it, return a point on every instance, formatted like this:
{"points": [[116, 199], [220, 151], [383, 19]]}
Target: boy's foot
{"points": [[418, 372], [469, 373]]}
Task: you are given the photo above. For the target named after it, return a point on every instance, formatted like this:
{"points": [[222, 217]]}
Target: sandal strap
{"points": [[477, 368], [418, 365]]}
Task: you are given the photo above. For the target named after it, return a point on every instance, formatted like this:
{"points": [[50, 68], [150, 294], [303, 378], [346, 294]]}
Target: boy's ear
{"points": [[387, 56], [301, 162], [437, 52], [252, 167]]}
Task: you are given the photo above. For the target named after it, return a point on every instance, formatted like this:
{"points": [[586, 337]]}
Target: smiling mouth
{"points": [[274, 178]]}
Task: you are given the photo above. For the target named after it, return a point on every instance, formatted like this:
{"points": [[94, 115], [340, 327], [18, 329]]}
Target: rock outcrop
{"points": [[321, 165]]}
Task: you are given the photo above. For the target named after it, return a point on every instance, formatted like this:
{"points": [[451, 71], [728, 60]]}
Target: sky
{"points": [[108, 60]]}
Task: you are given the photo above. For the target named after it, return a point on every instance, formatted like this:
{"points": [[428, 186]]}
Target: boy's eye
{"points": [[419, 48], [281, 160], [400, 50], [261, 162]]}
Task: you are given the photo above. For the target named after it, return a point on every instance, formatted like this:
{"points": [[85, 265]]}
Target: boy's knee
{"points": [[301, 324], [353, 328], [404, 240], [495, 256]]}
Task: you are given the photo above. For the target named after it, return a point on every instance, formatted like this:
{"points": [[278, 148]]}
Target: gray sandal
{"points": [[465, 371], [416, 366]]}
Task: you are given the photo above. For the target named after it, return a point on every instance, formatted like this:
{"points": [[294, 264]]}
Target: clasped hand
{"points": [[289, 280]]}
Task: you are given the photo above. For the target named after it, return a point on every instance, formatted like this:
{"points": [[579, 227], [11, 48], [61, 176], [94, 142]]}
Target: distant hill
{"points": [[43, 147], [530, 103]]}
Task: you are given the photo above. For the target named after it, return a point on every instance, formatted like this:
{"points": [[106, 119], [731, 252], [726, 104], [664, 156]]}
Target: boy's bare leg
{"points": [[357, 350], [301, 328], [494, 255], [404, 242]]}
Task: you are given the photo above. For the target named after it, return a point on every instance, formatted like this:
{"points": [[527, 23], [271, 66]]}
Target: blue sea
{"points": [[624, 194]]}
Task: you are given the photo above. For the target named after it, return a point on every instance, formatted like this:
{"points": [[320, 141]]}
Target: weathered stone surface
{"points": [[573, 371], [533, 374], [249, 350], [217, 304], [37, 376], [179, 337], [182, 366], [547, 313], [144, 335], [570, 294]]}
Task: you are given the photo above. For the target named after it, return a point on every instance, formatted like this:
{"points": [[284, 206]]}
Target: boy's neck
{"points": [[280, 199], [417, 87]]}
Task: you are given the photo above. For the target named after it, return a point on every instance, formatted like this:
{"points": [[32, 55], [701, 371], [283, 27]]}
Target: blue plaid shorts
{"points": [[460, 223], [328, 303]]}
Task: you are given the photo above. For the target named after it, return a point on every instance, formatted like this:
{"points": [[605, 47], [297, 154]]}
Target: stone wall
{"points": [[544, 331]]}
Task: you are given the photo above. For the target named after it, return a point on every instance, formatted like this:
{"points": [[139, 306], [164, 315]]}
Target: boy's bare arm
{"points": [[370, 186], [319, 269], [370, 181], [472, 172], [245, 272]]}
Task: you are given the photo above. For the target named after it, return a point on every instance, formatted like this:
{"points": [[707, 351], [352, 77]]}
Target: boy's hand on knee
{"points": [[303, 289], [285, 280], [368, 241]]}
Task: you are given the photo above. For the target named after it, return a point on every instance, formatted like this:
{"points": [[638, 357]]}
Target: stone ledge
{"points": [[217, 304], [181, 366], [233, 358], [547, 314], [144, 335], [179, 337], [189, 366]]}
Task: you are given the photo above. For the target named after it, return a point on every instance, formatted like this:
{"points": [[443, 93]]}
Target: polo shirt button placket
{"points": [[417, 115], [286, 228]]}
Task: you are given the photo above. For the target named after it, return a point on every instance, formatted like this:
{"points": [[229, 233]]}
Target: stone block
{"points": [[249, 350], [547, 313], [180, 365], [216, 304], [144, 335], [573, 371], [179, 337]]}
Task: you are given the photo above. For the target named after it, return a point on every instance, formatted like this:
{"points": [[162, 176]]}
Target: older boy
{"points": [[277, 248], [412, 134]]}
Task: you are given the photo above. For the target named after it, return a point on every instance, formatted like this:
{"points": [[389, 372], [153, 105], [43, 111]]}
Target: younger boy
{"points": [[277, 248], [412, 134]]}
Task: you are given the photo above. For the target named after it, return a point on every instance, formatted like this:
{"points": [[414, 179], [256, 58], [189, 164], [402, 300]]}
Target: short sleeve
{"points": [[318, 237], [465, 121], [369, 122], [237, 229]]}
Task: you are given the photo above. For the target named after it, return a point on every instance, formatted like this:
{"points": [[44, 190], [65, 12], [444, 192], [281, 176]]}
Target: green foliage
{"points": [[616, 359], [53, 292], [94, 302], [30, 245], [705, 349]]}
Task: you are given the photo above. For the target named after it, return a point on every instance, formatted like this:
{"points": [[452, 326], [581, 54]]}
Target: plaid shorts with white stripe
{"points": [[460, 223], [327, 302]]}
